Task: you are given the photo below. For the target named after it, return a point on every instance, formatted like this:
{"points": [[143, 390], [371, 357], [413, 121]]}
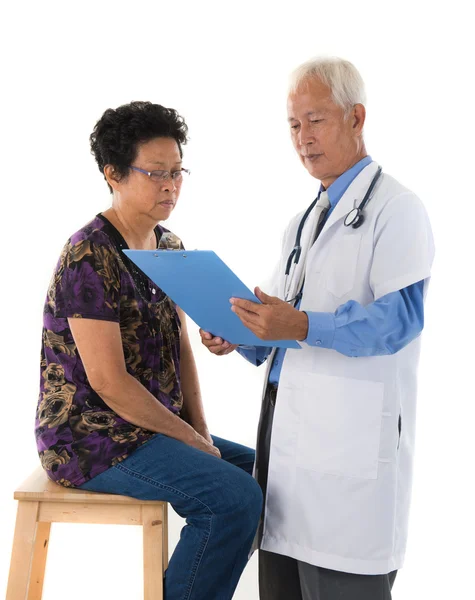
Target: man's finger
{"points": [[250, 324], [223, 351], [215, 341], [245, 314], [252, 307], [216, 349]]}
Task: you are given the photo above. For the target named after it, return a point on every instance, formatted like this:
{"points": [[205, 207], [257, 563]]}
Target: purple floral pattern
{"points": [[78, 435]]}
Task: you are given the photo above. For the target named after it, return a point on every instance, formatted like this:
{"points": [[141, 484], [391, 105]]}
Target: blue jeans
{"points": [[218, 497]]}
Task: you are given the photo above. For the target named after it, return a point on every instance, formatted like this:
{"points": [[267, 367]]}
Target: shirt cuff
{"points": [[256, 355], [321, 329]]}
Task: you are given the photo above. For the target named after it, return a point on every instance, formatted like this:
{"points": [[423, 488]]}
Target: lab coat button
{"points": [[318, 343]]}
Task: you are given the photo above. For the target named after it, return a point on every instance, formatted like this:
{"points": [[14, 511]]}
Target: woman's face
{"points": [[146, 196]]}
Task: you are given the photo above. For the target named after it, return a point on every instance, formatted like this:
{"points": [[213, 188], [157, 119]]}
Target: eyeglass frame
{"points": [[169, 176]]}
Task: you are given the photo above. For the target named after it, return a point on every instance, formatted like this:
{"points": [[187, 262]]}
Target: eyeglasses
{"points": [[160, 176]]}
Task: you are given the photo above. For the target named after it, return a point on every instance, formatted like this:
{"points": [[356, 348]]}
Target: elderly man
{"points": [[336, 434]]}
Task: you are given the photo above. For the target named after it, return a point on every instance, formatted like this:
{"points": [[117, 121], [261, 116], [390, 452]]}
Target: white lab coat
{"points": [[339, 473]]}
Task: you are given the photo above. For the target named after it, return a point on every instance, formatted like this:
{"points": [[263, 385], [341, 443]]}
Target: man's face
{"points": [[327, 143]]}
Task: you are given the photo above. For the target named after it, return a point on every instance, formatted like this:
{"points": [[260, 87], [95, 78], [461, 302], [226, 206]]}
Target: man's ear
{"points": [[358, 117], [112, 176]]}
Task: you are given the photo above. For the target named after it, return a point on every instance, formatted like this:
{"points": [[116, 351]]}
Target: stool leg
{"points": [[22, 551], [165, 537], [38, 565], [152, 521]]}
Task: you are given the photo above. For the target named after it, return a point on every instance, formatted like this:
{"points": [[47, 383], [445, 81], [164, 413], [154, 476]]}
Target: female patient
{"points": [[120, 408]]}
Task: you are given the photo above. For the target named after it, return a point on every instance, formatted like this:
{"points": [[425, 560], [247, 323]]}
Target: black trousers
{"points": [[285, 578]]}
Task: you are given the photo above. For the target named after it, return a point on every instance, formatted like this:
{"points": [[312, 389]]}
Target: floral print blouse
{"points": [[78, 435]]}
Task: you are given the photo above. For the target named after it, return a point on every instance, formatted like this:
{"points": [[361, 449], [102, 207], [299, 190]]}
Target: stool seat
{"points": [[42, 502], [38, 487]]}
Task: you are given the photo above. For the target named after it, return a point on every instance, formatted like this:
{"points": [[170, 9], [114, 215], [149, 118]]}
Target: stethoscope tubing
{"points": [[355, 221]]}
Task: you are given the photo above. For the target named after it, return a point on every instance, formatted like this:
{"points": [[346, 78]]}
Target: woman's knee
{"points": [[257, 501], [250, 509], [250, 501], [236, 492]]}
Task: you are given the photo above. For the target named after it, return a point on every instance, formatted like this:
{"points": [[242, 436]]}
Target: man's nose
{"points": [[305, 136]]}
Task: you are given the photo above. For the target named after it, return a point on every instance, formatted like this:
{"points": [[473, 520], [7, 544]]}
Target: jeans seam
{"points": [[202, 548], [161, 485], [199, 556]]}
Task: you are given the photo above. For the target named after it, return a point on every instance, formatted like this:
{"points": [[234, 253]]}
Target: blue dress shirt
{"points": [[382, 327]]}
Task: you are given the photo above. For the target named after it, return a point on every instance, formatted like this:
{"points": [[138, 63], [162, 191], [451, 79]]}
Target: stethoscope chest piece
{"points": [[354, 218]]}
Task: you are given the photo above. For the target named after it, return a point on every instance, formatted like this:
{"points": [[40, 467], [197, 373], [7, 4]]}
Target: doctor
{"points": [[336, 433]]}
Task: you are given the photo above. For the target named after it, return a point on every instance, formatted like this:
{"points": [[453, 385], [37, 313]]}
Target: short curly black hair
{"points": [[119, 132]]}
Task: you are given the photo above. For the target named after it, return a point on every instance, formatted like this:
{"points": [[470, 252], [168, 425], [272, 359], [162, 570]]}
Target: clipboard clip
{"points": [[156, 255]]}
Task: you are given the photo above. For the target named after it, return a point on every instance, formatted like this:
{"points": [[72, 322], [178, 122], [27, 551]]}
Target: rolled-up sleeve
{"points": [[382, 327]]}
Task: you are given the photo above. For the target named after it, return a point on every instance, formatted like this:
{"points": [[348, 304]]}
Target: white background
{"points": [[224, 67]]}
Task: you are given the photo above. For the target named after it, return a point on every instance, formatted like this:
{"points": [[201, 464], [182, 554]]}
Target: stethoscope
{"points": [[355, 218]]}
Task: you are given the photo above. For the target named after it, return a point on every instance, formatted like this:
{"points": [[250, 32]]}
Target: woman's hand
{"points": [[203, 430], [200, 443], [216, 345]]}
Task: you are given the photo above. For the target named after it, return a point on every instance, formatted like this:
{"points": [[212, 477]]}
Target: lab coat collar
{"points": [[355, 191], [342, 183]]}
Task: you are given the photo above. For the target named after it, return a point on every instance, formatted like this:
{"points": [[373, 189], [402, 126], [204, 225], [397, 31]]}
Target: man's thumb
{"points": [[264, 298]]}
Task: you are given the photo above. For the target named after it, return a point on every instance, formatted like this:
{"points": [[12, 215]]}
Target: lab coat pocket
{"points": [[341, 263], [340, 426]]}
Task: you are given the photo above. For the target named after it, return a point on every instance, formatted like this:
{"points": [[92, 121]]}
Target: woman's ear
{"points": [[112, 176]]}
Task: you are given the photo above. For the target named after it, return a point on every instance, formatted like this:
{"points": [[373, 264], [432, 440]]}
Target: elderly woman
{"points": [[120, 409]]}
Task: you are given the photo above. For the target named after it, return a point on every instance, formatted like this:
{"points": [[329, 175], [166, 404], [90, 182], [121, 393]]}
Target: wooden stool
{"points": [[42, 502]]}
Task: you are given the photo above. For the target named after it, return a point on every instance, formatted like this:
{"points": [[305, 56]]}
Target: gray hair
{"points": [[342, 77]]}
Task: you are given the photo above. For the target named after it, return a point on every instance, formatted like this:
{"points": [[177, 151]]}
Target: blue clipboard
{"points": [[202, 284]]}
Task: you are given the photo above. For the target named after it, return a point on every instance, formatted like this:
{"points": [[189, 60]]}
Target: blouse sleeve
{"points": [[86, 283]]}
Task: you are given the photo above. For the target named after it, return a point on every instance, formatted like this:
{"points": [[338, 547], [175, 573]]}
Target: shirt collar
{"points": [[340, 185]]}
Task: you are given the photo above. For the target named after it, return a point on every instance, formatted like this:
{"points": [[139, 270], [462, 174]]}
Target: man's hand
{"points": [[274, 319], [216, 345]]}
